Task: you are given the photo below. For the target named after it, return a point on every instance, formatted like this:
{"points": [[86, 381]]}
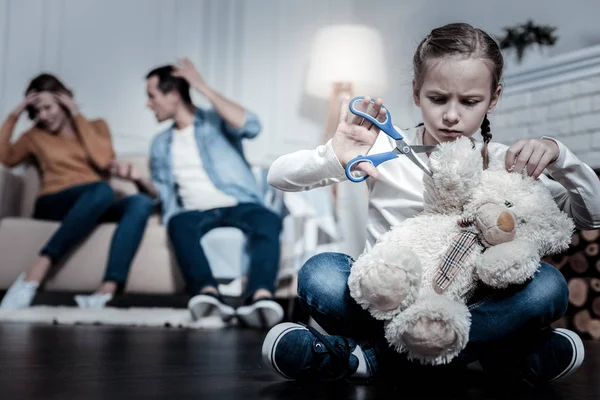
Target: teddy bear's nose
{"points": [[506, 222]]}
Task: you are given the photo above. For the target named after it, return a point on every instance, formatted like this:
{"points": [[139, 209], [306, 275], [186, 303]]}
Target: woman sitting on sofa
{"points": [[76, 157]]}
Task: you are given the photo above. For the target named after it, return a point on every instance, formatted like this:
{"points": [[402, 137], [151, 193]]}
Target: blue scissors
{"points": [[401, 146]]}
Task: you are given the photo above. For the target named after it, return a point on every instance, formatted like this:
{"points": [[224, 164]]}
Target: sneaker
{"points": [[300, 352], [20, 294], [208, 304], [559, 353], [96, 300], [261, 314]]}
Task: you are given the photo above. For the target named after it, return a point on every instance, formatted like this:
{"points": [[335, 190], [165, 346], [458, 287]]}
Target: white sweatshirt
{"points": [[398, 192]]}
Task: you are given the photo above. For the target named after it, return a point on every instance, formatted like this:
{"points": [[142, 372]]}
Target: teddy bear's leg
{"points": [[385, 279], [433, 330]]}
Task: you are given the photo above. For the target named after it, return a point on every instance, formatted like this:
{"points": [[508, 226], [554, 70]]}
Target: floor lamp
{"points": [[347, 60]]}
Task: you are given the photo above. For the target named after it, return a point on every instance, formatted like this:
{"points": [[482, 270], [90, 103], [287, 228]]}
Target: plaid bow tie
{"points": [[462, 246]]}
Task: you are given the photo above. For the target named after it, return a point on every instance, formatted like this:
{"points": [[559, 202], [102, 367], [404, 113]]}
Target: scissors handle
{"points": [[385, 126], [374, 159]]}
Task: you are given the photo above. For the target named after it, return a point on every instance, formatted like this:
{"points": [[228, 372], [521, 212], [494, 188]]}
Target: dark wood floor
{"points": [[96, 362]]}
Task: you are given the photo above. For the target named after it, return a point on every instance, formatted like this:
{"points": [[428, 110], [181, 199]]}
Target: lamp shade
{"points": [[347, 53]]}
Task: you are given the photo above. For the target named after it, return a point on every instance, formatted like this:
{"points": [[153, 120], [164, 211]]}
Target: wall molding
{"points": [[4, 47], [563, 68]]}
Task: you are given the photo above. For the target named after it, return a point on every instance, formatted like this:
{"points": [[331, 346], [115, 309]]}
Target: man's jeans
{"points": [[81, 208], [261, 226], [502, 320]]}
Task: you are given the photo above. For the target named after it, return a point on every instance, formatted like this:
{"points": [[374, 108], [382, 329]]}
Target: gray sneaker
{"points": [[261, 314], [207, 304], [20, 294]]}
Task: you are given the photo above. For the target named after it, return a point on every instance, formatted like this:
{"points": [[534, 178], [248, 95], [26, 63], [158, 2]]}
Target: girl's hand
{"points": [[357, 136], [533, 154]]}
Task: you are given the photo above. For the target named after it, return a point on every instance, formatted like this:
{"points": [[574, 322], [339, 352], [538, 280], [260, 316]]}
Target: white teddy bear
{"points": [[478, 225]]}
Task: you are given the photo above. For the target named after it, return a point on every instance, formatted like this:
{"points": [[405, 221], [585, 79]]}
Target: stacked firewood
{"points": [[580, 265]]}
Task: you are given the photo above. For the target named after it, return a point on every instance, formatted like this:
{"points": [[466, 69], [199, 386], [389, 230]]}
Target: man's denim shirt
{"points": [[220, 147]]}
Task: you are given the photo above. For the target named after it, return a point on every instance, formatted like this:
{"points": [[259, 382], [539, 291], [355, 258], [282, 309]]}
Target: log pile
{"points": [[580, 265]]}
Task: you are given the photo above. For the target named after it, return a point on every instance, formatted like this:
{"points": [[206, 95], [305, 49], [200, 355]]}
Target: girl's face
{"points": [[455, 97]]}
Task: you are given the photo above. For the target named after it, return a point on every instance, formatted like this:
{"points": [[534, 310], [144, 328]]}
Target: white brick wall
{"points": [[560, 99]]}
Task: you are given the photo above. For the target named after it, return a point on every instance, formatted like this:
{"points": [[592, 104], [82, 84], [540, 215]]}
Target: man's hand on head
{"points": [[187, 70]]}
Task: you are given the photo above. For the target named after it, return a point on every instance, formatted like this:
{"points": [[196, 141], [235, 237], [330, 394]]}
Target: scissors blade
{"points": [[418, 162], [423, 149], [402, 145], [404, 148]]}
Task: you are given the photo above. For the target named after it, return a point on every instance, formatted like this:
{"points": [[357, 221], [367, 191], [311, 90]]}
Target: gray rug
{"points": [[135, 316]]}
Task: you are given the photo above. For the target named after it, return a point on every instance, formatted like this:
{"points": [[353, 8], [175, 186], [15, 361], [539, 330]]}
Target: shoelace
{"points": [[340, 350]]}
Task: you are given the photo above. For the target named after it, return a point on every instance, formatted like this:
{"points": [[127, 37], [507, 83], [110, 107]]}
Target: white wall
{"points": [[255, 51], [560, 98]]}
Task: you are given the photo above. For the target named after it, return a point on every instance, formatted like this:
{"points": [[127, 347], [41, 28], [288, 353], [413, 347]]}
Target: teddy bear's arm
{"points": [[508, 263]]}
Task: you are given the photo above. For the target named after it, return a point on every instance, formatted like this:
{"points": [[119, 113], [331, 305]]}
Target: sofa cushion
{"points": [[153, 269], [11, 186]]}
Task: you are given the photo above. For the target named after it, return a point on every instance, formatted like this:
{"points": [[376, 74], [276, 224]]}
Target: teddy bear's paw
{"points": [[385, 280], [385, 287], [496, 277], [433, 330], [507, 264], [393, 278]]}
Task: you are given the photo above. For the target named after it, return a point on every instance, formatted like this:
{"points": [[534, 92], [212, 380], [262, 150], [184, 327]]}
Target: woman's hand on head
{"points": [[67, 101], [533, 154], [29, 100], [356, 137]]}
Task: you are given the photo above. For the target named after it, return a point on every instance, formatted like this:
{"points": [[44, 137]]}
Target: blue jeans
{"points": [[502, 321], [81, 208], [261, 226]]}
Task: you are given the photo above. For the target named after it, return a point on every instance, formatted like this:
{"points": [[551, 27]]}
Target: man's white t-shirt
{"points": [[196, 189]]}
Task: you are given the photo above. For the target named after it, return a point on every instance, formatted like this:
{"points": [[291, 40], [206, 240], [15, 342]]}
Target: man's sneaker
{"points": [[207, 304], [20, 294], [300, 352], [261, 314]]}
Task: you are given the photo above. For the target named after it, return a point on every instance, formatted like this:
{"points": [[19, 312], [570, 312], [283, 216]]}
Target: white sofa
{"points": [[154, 269]]}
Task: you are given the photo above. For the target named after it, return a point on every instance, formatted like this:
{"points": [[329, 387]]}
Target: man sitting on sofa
{"points": [[204, 182]]}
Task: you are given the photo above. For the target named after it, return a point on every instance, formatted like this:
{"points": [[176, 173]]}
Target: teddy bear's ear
{"points": [[456, 169], [461, 157], [561, 228], [539, 219], [552, 232]]}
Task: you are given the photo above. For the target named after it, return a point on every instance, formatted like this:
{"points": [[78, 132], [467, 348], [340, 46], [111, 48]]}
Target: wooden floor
{"points": [[95, 362]]}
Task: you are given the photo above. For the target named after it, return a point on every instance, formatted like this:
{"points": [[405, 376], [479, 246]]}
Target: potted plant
{"points": [[519, 38]]}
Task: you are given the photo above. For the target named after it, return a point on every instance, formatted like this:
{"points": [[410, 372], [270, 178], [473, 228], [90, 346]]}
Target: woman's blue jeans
{"points": [[81, 208]]}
